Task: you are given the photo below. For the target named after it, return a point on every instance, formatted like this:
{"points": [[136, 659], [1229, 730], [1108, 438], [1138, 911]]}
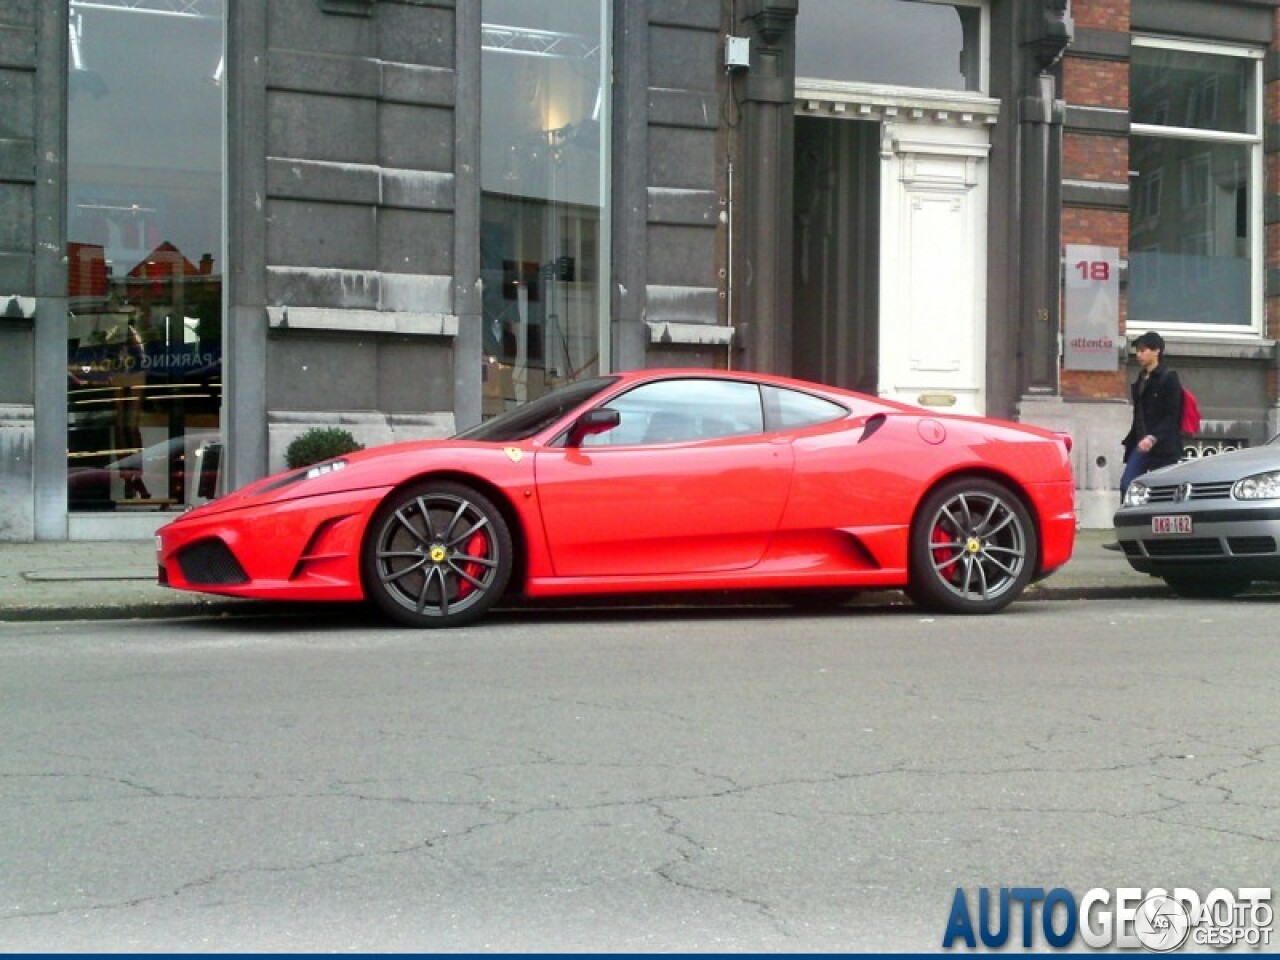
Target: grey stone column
{"points": [[629, 163], [468, 345], [50, 274], [244, 355], [764, 301]]}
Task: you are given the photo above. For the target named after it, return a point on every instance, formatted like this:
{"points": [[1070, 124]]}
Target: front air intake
{"points": [[210, 563]]}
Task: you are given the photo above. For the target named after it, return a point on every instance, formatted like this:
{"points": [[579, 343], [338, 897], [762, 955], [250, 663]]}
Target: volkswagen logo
{"points": [[1182, 493]]}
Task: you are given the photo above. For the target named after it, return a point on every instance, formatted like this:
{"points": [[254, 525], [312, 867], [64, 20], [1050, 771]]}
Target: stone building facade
{"points": [[399, 217]]}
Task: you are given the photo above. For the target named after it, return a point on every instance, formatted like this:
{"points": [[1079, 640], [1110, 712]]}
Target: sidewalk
{"points": [[117, 580]]}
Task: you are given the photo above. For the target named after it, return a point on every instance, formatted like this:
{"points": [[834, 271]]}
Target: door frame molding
{"points": [[915, 126]]}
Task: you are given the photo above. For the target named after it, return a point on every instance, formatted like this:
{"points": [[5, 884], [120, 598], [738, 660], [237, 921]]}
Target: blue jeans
{"points": [[1134, 467]]}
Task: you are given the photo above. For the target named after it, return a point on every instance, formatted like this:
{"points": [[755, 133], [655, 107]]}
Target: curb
{"points": [[225, 607], [131, 611]]}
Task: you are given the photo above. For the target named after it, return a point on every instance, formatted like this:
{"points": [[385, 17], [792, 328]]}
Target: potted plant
{"points": [[320, 443]]}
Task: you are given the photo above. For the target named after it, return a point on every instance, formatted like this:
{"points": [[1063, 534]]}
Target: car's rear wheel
{"points": [[1206, 588], [437, 555], [973, 548]]}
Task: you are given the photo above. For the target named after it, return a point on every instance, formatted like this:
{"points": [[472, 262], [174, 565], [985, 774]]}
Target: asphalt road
{"points": [[622, 780]]}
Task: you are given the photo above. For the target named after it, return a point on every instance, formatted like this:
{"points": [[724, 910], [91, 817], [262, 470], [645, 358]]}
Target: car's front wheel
{"points": [[973, 548], [437, 555], [1206, 588]]}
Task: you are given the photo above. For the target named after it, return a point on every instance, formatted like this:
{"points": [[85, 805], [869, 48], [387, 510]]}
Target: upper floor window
{"points": [[864, 42], [1196, 175]]}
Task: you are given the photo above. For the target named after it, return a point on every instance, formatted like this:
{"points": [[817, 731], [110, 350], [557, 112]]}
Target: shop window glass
{"points": [[544, 235], [1195, 156], [864, 42], [144, 242]]}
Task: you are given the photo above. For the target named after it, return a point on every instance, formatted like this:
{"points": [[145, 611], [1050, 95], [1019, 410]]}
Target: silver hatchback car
{"points": [[1208, 527]]}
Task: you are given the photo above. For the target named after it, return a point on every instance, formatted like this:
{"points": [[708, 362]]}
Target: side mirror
{"points": [[599, 420]]}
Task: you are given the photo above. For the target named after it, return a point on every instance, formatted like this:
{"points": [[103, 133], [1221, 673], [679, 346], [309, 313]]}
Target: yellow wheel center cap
{"points": [[437, 554], [974, 545]]}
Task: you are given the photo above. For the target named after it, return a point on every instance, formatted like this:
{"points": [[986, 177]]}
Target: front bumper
{"points": [[1237, 540], [302, 549]]}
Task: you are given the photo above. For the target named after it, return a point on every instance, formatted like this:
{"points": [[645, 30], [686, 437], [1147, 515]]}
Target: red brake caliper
{"points": [[945, 555], [477, 546]]}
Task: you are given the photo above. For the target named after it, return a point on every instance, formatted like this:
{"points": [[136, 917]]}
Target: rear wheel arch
{"points": [[995, 476], [974, 544]]}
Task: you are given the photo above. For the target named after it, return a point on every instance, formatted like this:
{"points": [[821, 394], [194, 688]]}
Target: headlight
{"points": [[1137, 495], [1261, 486], [320, 469]]}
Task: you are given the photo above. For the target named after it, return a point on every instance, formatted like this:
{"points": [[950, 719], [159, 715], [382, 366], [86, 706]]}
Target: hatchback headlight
{"points": [[1137, 495], [1261, 486]]}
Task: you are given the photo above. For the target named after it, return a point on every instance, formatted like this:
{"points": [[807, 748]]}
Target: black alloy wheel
{"points": [[973, 548], [437, 554]]}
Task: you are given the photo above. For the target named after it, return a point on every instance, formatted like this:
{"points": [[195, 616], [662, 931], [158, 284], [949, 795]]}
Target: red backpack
{"points": [[1190, 413]]}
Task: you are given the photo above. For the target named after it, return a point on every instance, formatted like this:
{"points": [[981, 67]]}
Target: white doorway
{"points": [[929, 259]]}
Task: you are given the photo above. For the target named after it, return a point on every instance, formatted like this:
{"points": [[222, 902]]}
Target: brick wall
{"points": [[1272, 112], [1108, 228], [1096, 83], [1101, 14], [1096, 157]]}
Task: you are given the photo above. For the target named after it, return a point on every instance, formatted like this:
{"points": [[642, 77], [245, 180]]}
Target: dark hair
{"points": [[1151, 340]]}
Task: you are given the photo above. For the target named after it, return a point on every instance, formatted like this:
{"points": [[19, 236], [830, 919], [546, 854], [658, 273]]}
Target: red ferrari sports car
{"points": [[656, 480]]}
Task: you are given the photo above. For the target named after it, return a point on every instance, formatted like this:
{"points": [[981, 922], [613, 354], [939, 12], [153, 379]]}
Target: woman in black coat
{"points": [[1155, 438]]}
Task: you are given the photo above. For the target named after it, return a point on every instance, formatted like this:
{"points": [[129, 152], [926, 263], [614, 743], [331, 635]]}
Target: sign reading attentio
{"points": [[1092, 308]]}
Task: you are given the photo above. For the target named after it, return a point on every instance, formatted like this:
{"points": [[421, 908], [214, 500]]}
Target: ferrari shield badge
{"points": [[514, 453]]}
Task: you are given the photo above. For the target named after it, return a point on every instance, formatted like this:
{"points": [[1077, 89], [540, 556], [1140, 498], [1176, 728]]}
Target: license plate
{"points": [[1178, 523]]}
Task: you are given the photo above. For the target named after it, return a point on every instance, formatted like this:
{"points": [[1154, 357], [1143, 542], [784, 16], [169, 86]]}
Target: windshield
{"points": [[534, 417]]}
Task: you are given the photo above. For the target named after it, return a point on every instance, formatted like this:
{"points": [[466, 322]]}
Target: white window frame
{"points": [[1257, 177]]}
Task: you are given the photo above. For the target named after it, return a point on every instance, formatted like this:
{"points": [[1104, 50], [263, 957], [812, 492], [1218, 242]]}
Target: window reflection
{"points": [[544, 228], [144, 232], [1194, 157], [864, 42], [1182, 88], [1190, 249]]}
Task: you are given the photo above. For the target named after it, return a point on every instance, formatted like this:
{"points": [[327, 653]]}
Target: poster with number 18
{"points": [[1091, 308]]}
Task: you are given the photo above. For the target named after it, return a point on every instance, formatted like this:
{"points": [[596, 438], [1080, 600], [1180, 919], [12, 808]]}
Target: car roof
{"points": [[793, 383]]}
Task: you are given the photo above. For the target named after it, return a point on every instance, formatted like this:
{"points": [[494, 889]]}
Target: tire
{"points": [[1206, 588], [436, 555], [973, 548]]}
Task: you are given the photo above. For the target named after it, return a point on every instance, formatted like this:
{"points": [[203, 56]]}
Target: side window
{"points": [[789, 409], [682, 411]]}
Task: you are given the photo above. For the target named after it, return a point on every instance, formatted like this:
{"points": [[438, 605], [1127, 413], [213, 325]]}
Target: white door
{"points": [[933, 265]]}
